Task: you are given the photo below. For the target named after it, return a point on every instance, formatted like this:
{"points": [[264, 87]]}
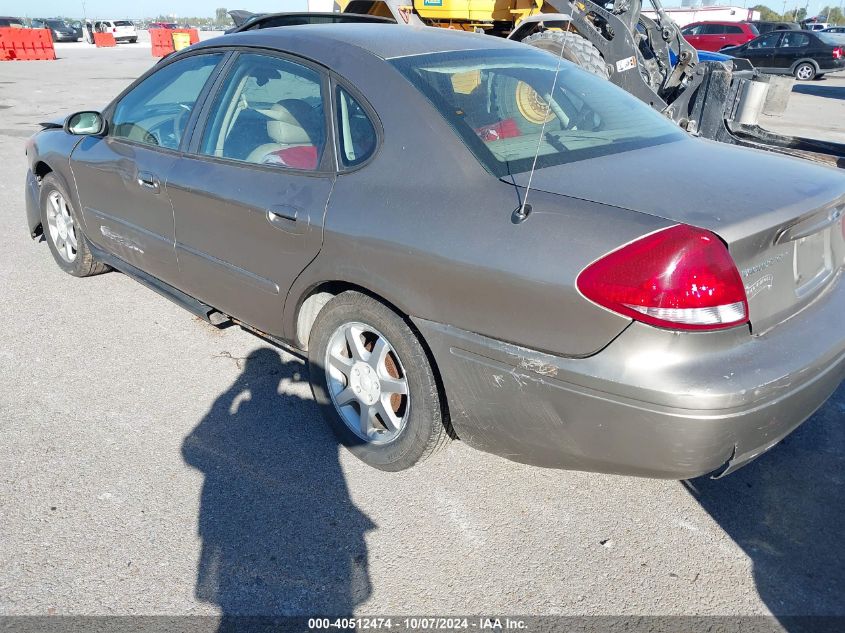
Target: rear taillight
{"points": [[838, 53], [681, 278], [114, 29]]}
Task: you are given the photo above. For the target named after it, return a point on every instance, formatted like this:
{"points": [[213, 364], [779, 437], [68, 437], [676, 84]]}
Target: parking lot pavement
{"points": [[816, 109], [152, 464]]}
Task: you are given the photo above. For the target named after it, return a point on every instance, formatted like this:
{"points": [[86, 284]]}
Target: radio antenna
{"points": [[524, 209]]}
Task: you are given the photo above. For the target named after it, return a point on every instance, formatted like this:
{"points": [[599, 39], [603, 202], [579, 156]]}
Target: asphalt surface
{"points": [[152, 464]]}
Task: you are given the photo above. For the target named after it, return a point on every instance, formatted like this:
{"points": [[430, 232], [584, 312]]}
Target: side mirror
{"points": [[85, 123]]}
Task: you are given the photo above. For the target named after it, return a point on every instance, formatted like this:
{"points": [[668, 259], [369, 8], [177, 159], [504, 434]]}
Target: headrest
{"points": [[293, 121]]}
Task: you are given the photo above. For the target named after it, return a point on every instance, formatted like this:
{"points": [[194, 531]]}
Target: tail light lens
{"points": [[681, 278], [838, 53], [114, 29]]}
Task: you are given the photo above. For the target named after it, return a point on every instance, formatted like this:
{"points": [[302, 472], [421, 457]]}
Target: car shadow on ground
{"points": [[820, 90], [786, 512], [280, 535]]}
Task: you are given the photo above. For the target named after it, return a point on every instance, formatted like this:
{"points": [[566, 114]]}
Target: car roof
{"points": [[381, 40]]}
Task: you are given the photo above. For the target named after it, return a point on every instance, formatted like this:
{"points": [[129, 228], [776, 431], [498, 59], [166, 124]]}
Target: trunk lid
{"points": [[781, 217]]}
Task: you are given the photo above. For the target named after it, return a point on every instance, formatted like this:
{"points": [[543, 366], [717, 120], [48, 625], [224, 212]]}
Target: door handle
{"points": [[148, 181], [288, 219], [278, 215]]}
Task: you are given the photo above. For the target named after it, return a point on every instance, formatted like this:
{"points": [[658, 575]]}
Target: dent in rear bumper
{"points": [[653, 403]]}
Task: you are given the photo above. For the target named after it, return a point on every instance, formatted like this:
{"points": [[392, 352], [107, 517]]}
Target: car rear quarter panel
{"points": [[428, 229]]}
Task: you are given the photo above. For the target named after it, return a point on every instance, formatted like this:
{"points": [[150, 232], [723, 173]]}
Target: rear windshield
{"points": [[834, 39], [122, 23], [753, 29], [508, 105]]}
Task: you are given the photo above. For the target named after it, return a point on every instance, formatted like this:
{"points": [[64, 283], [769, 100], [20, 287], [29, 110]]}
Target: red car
{"points": [[714, 36]]}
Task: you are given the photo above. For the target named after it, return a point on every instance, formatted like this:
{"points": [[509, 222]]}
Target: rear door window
{"points": [[794, 39], [269, 112]]}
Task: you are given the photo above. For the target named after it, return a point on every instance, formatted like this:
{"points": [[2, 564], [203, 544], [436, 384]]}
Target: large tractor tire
{"points": [[576, 49]]}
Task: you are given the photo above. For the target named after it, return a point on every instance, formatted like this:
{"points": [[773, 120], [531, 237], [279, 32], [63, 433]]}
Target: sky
{"points": [[141, 8], [200, 8]]}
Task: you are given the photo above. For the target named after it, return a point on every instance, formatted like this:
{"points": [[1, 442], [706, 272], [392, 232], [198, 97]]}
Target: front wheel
{"points": [[804, 71], [61, 228], [375, 384]]}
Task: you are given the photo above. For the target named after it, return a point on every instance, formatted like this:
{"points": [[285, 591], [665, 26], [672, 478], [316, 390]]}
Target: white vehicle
{"points": [[122, 30], [816, 26]]}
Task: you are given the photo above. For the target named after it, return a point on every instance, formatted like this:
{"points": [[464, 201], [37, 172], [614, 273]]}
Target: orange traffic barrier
{"points": [[162, 40], [104, 40], [25, 44]]}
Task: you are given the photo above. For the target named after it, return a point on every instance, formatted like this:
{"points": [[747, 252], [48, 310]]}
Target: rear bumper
{"points": [[653, 403]]}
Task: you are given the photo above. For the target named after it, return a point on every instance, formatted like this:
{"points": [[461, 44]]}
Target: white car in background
{"points": [[122, 30]]}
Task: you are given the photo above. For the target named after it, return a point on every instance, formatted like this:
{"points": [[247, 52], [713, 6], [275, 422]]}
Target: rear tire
{"points": [[133, 40], [576, 49], [804, 71], [62, 230], [358, 389]]}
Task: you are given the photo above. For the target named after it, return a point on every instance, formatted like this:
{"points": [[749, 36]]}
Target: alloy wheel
{"points": [[367, 383], [805, 72], [61, 226]]}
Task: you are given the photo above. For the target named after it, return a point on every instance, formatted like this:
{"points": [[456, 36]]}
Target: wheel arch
{"points": [[311, 302], [41, 169], [803, 60]]}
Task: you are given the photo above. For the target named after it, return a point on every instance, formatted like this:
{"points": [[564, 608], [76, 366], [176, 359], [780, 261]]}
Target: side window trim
{"points": [[213, 87], [108, 111], [328, 161], [338, 82]]}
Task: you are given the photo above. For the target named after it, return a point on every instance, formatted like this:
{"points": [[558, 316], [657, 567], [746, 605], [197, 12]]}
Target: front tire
{"points": [[61, 227], [804, 71], [374, 383]]}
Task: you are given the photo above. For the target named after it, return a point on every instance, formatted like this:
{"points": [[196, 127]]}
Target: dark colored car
{"points": [[805, 54], [171, 26], [78, 27], [361, 193], [764, 27], [60, 30], [9, 22], [246, 21], [715, 36]]}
